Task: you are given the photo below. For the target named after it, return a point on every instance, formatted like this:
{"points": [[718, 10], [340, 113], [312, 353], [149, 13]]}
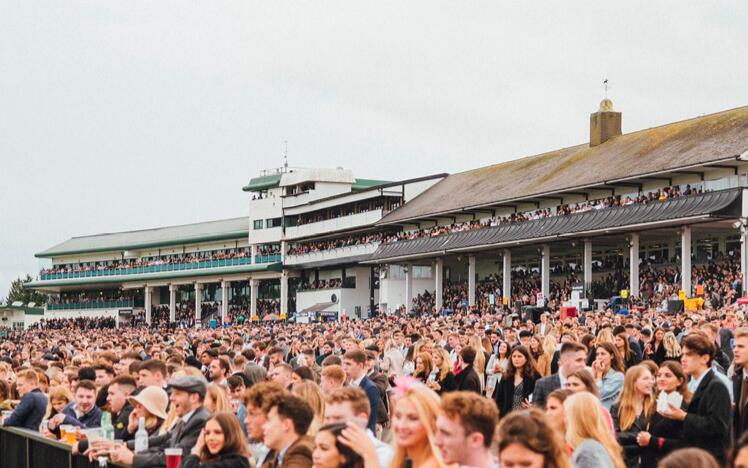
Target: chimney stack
{"points": [[604, 124]]}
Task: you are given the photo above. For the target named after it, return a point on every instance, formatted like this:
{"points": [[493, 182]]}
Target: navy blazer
{"points": [[30, 411], [372, 393], [708, 421]]}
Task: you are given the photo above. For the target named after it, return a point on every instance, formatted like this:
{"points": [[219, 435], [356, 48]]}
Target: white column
{"points": [[225, 285], [545, 270], [147, 303], [253, 251], [284, 249], [685, 260], [634, 265], [253, 286], [382, 277], [408, 287], [172, 302], [743, 254], [587, 265], [284, 293], [471, 280], [198, 302], [439, 283], [506, 290]]}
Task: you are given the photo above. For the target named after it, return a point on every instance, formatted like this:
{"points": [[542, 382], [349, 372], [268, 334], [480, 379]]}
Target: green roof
{"points": [[26, 310], [363, 184], [257, 184], [234, 228], [277, 267]]}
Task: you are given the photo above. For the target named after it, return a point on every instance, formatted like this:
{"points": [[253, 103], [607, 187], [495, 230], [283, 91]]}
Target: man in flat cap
{"points": [[186, 395]]}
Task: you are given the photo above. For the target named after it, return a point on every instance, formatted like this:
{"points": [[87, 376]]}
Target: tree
{"points": [[18, 293]]}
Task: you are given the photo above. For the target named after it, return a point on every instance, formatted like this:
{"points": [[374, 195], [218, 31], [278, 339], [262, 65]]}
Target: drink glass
{"points": [[173, 457], [67, 433]]}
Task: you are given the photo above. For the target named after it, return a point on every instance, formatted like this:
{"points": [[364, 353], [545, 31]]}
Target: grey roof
{"points": [[698, 141], [724, 203], [233, 228], [335, 262]]}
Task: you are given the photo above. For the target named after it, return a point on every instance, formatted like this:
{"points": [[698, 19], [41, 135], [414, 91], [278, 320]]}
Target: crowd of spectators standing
{"points": [[474, 388]]}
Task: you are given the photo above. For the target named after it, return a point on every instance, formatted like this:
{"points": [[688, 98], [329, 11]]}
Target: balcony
{"points": [[93, 305], [336, 224], [159, 268], [333, 254]]}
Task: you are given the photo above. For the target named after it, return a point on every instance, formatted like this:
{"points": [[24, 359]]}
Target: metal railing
{"points": [[92, 305], [22, 448]]}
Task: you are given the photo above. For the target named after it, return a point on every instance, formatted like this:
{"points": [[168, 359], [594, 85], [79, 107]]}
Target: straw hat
{"points": [[154, 399]]}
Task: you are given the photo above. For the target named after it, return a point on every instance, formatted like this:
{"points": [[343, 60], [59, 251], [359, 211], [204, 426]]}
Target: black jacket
{"points": [[185, 440], [120, 428], [707, 424], [627, 439], [468, 380], [29, 412], [666, 437], [503, 394], [232, 460], [447, 384], [739, 424]]}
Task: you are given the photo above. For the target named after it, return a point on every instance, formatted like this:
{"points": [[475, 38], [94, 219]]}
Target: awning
{"points": [[319, 307], [333, 262], [695, 208]]}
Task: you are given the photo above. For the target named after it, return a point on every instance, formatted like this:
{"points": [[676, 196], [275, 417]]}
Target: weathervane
{"points": [[606, 87]]}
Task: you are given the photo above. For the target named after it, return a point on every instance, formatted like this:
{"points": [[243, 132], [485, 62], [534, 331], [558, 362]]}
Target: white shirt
{"points": [[385, 452], [187, 416], [693, 384]]}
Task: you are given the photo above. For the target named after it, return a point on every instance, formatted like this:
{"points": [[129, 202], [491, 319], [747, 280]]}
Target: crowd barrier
{"points": [[22, 448]]}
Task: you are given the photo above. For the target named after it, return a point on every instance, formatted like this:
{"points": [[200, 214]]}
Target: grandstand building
{"points": [[523, 231], [240, 267]]}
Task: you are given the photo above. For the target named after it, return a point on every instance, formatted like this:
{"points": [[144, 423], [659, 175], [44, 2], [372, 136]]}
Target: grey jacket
{"points": [[591, 454]]}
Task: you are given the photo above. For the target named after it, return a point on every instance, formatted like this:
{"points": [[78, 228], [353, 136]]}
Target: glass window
{"points": [[258, 224]]}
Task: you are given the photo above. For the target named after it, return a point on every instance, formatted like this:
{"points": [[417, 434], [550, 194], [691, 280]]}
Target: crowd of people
{"points": [[475, 388], [331, 244], [89, 297], [172, 259]]}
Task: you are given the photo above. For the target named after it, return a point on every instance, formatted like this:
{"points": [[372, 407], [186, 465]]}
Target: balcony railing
{"points": [[161, 268], [21, 448], [92, 305]]}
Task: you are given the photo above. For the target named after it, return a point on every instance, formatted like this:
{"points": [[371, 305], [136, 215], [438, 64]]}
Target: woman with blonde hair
{"points": [[415, 410], [480, 360], [633, 412], [441, 379], [543, 364], [216, 399], [312, 394], [593, 444], [526, 438], [672, 348]]}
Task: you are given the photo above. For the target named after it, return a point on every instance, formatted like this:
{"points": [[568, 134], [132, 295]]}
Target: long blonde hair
{"points": [[220, 400], [446, 366], [627, 403], [312, 394], [605, 336], [584, 421], [426, 402], [672, 348], [480, 358]]}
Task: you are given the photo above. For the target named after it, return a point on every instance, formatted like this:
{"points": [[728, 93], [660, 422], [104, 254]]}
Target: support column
{"points": [[172, 302], [382, 277], [253, 251], [198, 302], [743, 254], [545, 270], [685, 260], [147, 303], [225, 286], [439, 283], [587, 265], [284, 293], [471, 280], [253, 286], [408, 287], [506, 290], [634, 265], [284, 249]]}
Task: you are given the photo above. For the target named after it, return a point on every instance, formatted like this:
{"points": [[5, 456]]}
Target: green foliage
{"points": [[18, 293]]}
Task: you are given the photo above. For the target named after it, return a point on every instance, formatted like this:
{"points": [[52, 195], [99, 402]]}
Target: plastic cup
{"points": [[173, 457], [6, 414], [69, 436]]}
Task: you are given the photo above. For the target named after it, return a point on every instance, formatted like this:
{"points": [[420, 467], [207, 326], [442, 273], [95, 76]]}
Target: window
{"points": [[257, 224], [272, 222]]}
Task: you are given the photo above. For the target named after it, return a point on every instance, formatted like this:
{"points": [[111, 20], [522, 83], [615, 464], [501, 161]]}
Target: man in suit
{"points": [[354, 365], [571, 358], [30, 411], [740, 382], [382, 383], [288, 420], [186, 398], [706, 422], [467, 378]]}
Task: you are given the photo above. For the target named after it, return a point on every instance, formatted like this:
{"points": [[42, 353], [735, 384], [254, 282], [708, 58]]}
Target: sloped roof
{"points": [[690, 142], [724, 203], [233, 228]]}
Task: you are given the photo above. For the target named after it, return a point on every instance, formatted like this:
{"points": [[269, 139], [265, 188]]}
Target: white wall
{"points": [[343, 252], [336, 224]]}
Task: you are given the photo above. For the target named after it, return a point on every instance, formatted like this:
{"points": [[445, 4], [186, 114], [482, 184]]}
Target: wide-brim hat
{"points": [[154, 399]]}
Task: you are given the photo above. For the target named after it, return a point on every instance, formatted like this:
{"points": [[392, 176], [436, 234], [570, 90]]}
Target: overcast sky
{"points": [[120, 115]]}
